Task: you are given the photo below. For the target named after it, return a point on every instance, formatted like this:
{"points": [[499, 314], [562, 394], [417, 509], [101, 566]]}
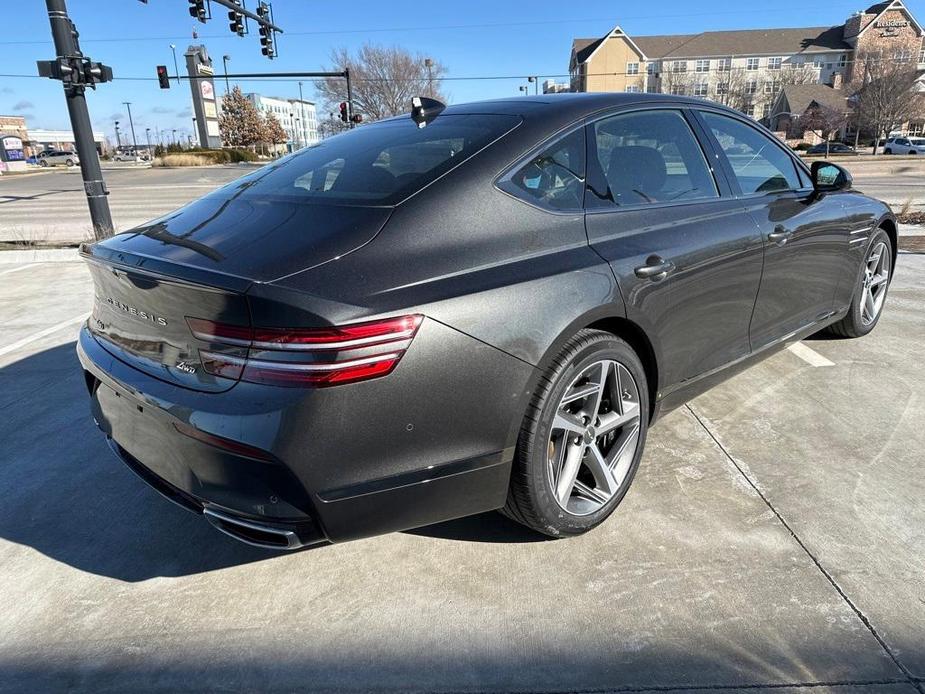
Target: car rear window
{"points": [[376, 164]]}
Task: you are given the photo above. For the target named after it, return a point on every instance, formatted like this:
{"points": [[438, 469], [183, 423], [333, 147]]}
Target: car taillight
{"points": [[307, 356]]}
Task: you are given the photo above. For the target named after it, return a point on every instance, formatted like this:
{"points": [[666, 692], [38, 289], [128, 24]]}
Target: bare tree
{"points": [[797, 74], [384, 80], [272, 131], [675, 82], [737, 90], [823, 121], [883, 94]]}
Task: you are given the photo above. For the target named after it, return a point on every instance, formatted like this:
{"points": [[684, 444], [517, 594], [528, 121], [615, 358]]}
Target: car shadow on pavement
{"points": [[68, 497], [485, 527]]}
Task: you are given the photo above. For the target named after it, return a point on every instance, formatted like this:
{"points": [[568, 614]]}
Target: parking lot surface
{"points": [[773, 541]]}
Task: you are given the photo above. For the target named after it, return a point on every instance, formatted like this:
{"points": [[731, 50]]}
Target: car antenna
{"points": [[425, 109]]}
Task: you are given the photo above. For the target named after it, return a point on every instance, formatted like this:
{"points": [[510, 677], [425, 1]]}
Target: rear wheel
{"points": [[888, 151], [870, 290], [69, 162], [582, 437], [43, 163]]}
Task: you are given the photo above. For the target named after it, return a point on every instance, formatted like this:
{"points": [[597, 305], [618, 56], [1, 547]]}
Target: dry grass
{"points": [[182, 160]]}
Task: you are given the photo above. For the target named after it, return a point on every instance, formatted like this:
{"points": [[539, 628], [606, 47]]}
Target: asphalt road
{"points": [[774, 541], [51, 207]]}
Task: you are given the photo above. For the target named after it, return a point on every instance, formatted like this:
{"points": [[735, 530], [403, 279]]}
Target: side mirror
{"points": [[828, 177]]}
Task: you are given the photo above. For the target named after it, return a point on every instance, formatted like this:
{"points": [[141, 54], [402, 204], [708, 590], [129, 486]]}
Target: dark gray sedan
{"points": [[477, 307]]}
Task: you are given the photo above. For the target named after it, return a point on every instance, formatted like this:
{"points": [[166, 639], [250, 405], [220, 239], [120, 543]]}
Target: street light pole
{"points": [[65, 37], [128, 105], [118, 139], [302, 115], [148, 140], [225, 59], [176, 67], [429, 64]]}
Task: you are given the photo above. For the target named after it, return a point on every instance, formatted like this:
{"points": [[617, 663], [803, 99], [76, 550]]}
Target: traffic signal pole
{"points": [[68, 54]]}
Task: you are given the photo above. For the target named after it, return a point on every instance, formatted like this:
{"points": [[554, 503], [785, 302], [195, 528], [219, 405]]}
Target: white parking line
{"points": [[42, 333], [810, 356], [18, 268]]}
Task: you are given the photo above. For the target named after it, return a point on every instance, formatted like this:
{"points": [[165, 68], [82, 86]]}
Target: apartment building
{"points": [[297, 117], [745, 69]]}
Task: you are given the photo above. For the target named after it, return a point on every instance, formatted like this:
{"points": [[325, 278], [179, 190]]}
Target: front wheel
{"points": [[43, 163], [582, 437], [870, 290], [888, 151]]}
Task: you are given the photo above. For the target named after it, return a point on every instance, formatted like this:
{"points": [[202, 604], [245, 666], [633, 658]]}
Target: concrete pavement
{"points": [[774, 540]]}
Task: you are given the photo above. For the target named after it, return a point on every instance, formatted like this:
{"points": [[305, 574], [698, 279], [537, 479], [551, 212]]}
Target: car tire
{"points": [[43, 163], [888, 151], [859, 321], [69, 162], [540, 495]]}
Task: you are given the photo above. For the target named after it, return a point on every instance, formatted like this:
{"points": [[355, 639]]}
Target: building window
{"points": [[650, 68], [632, 88], [774, 63], [751, 87], [702, 66], [751, 64], [902, 56], [679, 66], [922, 56], [701, 89], [677, 89], [748, 110], [842, 60], [724, 64], [772, 87], [722, 88], [818, 63], [632, 68]]}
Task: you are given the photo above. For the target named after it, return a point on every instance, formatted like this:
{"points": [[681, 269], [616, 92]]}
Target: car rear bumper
{"points": [[296, 498]]}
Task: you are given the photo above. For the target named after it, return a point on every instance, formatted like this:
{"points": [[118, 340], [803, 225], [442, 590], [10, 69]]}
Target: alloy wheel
{"points": [[594, 437], [875, 281]]}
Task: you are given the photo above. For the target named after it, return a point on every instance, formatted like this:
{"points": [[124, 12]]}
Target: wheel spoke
{"points": [[603, 475], [878, 280], [613, 420], [601, 385], [566, 479], [568, 422], [869, 309], [591, 494], [621, 455], [580, 392]]}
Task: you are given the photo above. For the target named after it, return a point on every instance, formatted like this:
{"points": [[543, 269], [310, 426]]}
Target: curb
{"points": [[39, 255]]}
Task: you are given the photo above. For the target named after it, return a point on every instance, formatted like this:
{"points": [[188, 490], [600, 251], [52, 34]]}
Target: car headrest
{"points": [[637, 168]]}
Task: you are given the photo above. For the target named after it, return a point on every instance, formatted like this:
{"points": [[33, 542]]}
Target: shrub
{"points": [[205, 157]]}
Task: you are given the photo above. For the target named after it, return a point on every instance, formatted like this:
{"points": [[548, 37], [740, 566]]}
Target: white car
{"points": [[904, 145], [51, 157], [125, 156]]}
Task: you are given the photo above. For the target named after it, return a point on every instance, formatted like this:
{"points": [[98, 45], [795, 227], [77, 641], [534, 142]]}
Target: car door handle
{"points": [[780, 235], [655, 269]]}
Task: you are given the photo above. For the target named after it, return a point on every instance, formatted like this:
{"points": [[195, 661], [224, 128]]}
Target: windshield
{"points": [[377, 164], [917, 140]]}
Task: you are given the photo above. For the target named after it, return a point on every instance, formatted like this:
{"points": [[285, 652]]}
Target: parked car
{"points": [[52, 157], [833, 148], [904, 145], [365, 336], [126, 155]]}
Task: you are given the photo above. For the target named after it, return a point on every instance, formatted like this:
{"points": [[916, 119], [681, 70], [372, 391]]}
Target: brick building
{"points": [[746, 69]]}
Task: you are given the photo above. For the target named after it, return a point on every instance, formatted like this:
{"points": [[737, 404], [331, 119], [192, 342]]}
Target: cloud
{"points": [[117, 116], [162, 109], [185, 113], [7, 90], [23, 105]]}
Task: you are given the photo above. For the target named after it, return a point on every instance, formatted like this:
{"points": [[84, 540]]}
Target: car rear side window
{"points": [[377, 164], [759, 164], [554, 178], [646, 157]]}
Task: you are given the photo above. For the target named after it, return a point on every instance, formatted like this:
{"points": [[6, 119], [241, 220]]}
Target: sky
{"points": [[477, 38]]}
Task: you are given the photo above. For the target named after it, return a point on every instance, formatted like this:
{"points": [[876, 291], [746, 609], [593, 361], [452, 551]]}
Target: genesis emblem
{"points": [[131, 310]]}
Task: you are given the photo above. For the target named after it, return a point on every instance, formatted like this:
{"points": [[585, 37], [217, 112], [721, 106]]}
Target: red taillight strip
{"points": [[308, 339], [300, 366]]}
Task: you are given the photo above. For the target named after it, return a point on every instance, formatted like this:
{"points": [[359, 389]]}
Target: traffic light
{"points": [[197, 10], [236, 21], [163, 78], [267, 44], [343, 112]]}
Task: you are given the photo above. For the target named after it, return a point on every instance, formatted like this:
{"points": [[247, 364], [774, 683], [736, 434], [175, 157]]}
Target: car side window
{"points": [[646, 157], [759, 164], [554, 178]]}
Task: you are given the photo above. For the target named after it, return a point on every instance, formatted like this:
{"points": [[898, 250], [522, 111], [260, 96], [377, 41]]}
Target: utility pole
{"points": [[76, 72], [302, 141], [131, 123], [118, 138], [429, 64]]}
